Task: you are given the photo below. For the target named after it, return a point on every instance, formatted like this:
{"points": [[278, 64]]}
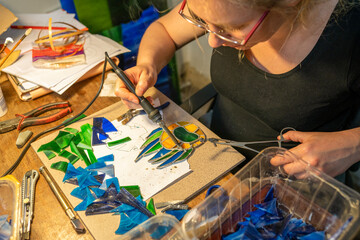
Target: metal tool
{"points": [[75, 221], [159, 205], [152, 112], [216, 141], [30, 118], [27, 203], [131, 113]]}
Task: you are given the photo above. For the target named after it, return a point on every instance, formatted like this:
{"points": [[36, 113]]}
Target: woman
{"points": [[276, 64]]}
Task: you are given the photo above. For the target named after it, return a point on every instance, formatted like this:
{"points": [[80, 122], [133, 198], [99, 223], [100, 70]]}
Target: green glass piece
{"points": [[77, 139], [153, 149], [133, 189], [52, 146], [49, 154], [69, 156], [74, 120], [64, 140], [72, 130], [185, 155], [61, 134], [61, 166], [151, 207], [151, 138], [91, 156], [165, 157], [185, 136], [80, 153], [117, 142], [85, 142]]}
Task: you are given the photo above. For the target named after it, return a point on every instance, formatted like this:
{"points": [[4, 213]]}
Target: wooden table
{"points": [[50, 221]]}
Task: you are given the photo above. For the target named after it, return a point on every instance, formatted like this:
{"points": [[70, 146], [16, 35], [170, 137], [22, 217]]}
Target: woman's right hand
{"points": [[143, 77]]}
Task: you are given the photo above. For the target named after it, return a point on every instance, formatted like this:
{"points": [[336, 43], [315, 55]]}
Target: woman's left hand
{"points": [[330, 152]]}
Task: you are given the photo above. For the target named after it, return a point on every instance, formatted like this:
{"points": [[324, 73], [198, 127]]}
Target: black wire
{"points": [[26, 148]]}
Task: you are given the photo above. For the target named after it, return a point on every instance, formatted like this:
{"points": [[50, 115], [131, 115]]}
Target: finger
{"points": [[279, 160], [145, 82], [122, 92], [295, 136], [130, 104], [295, 168]]}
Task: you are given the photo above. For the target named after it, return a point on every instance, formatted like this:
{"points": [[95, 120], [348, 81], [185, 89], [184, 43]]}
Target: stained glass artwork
{"points": [[166, 152]]}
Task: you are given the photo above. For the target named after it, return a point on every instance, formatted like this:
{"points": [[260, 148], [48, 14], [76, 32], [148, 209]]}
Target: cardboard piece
{"points": [[7, 18], [208, 163]]}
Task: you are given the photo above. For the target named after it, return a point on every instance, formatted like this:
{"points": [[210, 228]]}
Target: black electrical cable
{"points": [[26, 148]]}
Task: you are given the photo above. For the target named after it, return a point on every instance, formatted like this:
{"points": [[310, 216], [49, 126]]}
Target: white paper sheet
{"points": [[142, 173]]}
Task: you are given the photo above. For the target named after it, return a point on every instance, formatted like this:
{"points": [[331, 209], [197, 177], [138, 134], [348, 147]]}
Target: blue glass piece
{"points": [[239, 234], [107, 158], [79, 192], [269, 207], [154, 131], [86, 179], [72, 172], [314, 236], [126, 224], [5, 227], [255, 215], [105, 203], [107, 126], [98, 133], [125, 197], [160, 154], [171, 159], [98, 164], [148, 147], [270, 194], [178, 213], [114, 181], [108, 170], [267, 219], [87, 201], [98, 192], [343, 227]]}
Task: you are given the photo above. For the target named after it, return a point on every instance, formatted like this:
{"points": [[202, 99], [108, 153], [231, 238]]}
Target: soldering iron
{"points": [[153, 113]]}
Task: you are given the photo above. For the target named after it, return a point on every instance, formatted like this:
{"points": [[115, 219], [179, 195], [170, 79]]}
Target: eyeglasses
{"points": [[220, 34]]}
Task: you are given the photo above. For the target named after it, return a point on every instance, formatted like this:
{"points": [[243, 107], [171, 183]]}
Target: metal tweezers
{"points": [[216, 141]]}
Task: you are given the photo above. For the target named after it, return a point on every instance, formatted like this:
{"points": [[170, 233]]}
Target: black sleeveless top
{"points": [[318, 95]]}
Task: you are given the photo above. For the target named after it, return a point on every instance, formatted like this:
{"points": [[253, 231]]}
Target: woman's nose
{"points": [[215, 41]]}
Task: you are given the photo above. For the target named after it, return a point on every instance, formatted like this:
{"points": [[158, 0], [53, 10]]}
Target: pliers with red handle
{"points": [[31, 118]]}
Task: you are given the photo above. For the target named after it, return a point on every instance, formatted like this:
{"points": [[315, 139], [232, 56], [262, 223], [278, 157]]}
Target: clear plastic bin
{"points": [[318, 199], [163, 226], [10, 202]]}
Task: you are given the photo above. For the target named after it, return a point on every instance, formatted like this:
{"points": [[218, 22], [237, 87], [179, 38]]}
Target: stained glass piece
{"points": [[151, 138], [160, 154], [154, 131], [64, 140], [107, 126], [153, 149], [108, 170], [105, 203], [99, 164], [86, 180], [185, 155], [49, 154], [72, 130], [75, 120], [69, 156], [163, 158], [113, 181], [185, 136], [151, 207], [172, 159], [167, 142], [148, 147], [191, 128], [98, 192], [61, 165], [91, 155], [133, 189], [51, 146], [178, 213], [117, 142], [107, 158], [90, 198], [79, 192], [80, 153]]}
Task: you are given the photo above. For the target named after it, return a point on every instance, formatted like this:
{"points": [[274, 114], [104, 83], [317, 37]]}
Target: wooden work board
{"points": [[208, 164]]}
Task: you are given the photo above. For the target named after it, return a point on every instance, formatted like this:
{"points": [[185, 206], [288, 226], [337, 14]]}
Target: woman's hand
{"points": [[330, 152], [143, 77]]}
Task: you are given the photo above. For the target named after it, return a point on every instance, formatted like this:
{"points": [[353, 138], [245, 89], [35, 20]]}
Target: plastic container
{"points": [[159, 227], [317, 199], [10, 203]]}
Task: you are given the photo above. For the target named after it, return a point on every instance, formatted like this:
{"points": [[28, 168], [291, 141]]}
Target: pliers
{"points": [[131, 113], [30, 118]]}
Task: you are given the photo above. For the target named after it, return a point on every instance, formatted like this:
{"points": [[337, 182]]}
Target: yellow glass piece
{"points": [[191, 128]]}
